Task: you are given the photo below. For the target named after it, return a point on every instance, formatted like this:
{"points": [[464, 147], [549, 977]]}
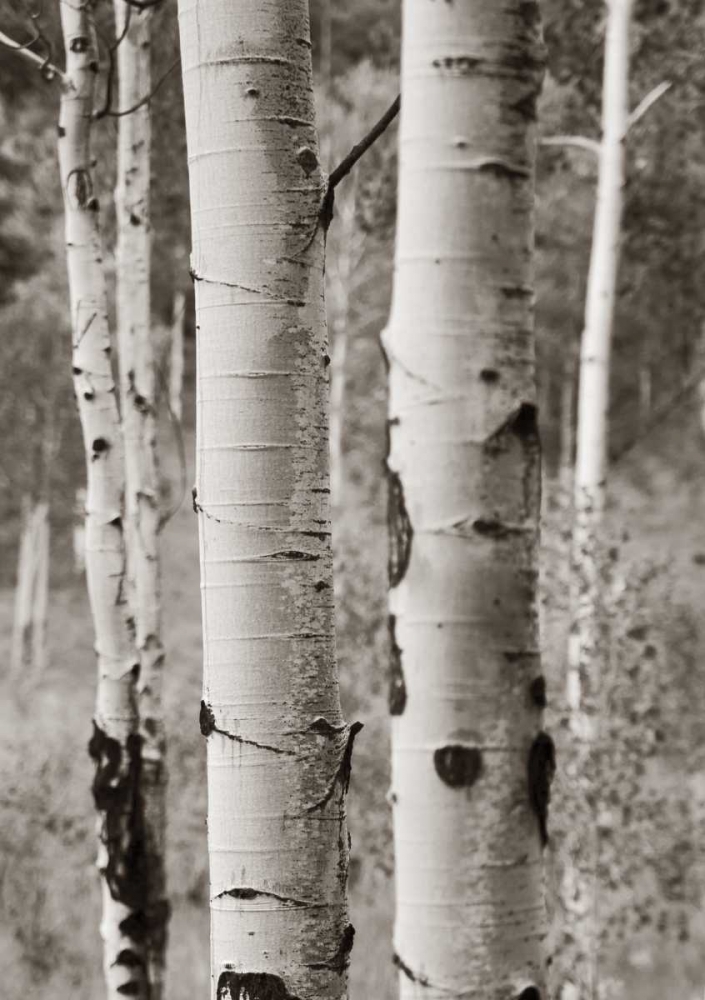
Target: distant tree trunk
{"points": [[176, 357], [28, 652], [41, 591], [588, 645], [115, 744], [567, 426], [79, 531], [470, 764], [139, 418], [699, 367], [326, 71], [645, 390], [278, 749], [339, 273]]}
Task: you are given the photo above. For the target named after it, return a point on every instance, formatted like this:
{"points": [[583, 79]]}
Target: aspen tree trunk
{"points": [[339, 273], [115, 744], [278, 749], [567, 428], [466, 692], [40, 610], [139, 419], [176, 358], [325, 66], [645, 390], [79, 531], [588, 646], [20, 653], [28, 650], [699, 368]]}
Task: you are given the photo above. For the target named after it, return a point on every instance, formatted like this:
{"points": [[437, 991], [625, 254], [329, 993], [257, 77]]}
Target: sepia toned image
{"points": [[352, 450]]}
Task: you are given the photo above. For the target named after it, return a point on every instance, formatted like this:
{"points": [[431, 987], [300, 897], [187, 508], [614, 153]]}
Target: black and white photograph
{"points": [[352, 499]]}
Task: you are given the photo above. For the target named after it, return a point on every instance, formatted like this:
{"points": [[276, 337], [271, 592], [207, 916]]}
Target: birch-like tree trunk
{"points": [[339, 273], [79, 531], [176, 357], [115, 744], [278, 749], [139, 420], [28, 651], [470, 763], [567, 427], [588, 646]]}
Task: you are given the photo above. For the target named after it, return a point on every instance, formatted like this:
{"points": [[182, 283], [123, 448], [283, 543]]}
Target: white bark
{"points": [[139, 419], [176, 358], [464, 483], [588, 646], [278, 749], [115, 745], [28, 651]]}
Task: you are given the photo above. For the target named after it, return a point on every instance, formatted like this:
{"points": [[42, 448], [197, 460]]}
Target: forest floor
{"points": [[49, 898]]}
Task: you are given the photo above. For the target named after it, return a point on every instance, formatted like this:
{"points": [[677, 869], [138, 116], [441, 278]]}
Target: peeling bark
{"points": [[116, 744], [279, 752], [252, 986], [464, 496], [397, 687]]}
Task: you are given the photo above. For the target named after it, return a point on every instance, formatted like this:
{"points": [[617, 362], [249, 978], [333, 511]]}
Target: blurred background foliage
{"points": [[653, 794]]}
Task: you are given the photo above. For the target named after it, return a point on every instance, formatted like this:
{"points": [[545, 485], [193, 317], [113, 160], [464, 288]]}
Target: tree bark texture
{"points": [[279, 752], [116, 744], [139, 420], [470, 763], [588, 642]]}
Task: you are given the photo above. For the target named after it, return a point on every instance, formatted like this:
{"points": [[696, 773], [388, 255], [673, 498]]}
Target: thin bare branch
{"points": [[660, 413], [344, 168], [48, 70], [145, 100], [644, 105], [108, 100], [579, 141]]}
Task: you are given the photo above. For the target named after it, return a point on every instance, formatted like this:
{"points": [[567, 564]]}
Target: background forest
{"points": [[652, 789]]}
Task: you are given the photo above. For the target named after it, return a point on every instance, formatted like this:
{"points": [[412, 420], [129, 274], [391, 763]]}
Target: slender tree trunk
{"points": [[79, 531], [326, 71], [470, 764], [115, 744], [339, 273], [645, 388], [139, 418], [339, 354], [278, 749], [176, 358], [567, 427], [40, 610], [28, 651], [588, 645], [20, 655], [699, 368]]}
